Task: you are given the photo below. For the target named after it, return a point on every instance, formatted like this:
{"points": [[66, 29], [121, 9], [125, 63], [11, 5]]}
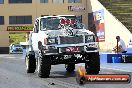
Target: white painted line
{"points": [[117, 69]]}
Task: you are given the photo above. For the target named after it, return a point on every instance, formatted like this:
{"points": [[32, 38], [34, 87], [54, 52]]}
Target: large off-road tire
{"points": [[70, 67], [43, 66], [30, 62], [93, 66]]}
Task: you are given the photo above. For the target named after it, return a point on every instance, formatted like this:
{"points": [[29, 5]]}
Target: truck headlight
{"points": [[51, 40], [89, 38]]}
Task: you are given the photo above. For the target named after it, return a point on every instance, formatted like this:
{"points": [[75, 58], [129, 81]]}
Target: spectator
{"points": [[121, 46]]}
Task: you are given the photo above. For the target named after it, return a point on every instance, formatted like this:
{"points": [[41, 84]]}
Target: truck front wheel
{"points": [[30, 63], [43, 66]]}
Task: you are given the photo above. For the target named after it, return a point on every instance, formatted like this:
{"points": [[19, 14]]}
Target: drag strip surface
{"points": [[13, 75]]}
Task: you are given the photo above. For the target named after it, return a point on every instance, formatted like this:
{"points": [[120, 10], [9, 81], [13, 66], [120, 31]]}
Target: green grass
{"points": [[16, 38]]}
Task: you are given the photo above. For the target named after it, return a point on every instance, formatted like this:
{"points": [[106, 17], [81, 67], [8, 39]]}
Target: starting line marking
{"points": [[117, 69]]}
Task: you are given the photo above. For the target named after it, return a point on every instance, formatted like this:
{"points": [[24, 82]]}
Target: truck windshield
{"points": [[54, 24], [77, 25], [49, 23], [17, 45]]}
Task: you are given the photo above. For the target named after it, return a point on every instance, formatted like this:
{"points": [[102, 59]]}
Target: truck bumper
{"points": [[69, 49]]}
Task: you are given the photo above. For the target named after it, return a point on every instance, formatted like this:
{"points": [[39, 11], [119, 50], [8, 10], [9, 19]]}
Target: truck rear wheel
{"points": [[70, 67], [93, 66], [30, 63], [44, 66]]}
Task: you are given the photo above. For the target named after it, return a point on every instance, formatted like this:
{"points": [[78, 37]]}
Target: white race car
{"points": [[16, 48]]}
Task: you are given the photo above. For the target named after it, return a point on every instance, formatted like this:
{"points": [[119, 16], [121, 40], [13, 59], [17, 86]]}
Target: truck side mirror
{"points": [[35, 30]]}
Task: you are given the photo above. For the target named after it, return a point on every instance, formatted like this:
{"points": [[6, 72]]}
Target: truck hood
{"points": [[63, 32]]}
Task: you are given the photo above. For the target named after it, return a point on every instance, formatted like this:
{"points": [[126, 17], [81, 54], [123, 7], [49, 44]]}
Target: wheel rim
{"points": [[27, 62], [38, 65]]}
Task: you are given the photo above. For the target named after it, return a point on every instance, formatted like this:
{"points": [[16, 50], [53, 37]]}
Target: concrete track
{"points": [[13, 75]]}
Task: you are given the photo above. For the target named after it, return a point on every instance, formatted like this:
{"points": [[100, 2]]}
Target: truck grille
{"points": [[71, 39]]}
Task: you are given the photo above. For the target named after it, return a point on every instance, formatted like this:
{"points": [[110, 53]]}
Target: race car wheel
{"points": [[70, 67], [93, 66], [30, 63], [43, 66]]}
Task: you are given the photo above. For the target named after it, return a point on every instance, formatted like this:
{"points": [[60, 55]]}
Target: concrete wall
{"points": [[113, 27]]}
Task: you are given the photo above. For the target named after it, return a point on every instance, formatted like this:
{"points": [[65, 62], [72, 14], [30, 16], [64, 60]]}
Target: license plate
{"points": [[72, 49]]}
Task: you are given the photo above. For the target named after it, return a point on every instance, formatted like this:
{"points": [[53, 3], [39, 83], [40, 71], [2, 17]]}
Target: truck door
{"points": [[35, 36]]}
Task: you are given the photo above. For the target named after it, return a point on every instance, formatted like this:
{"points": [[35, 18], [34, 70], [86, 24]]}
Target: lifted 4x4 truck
{"points": [[61, 40]]}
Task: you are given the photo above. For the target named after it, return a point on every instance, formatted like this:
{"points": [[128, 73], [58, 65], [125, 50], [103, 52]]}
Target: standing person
{"points": [[121, 46]]}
